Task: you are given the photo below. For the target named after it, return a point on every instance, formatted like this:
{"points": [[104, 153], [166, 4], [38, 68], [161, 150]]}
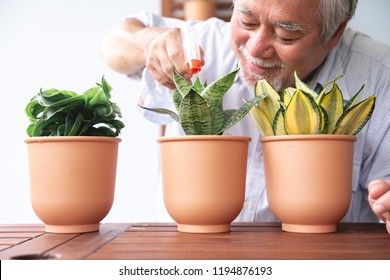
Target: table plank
{"points": [[4, 235], [85, 244], [38, 244], [248, 242], [7, 228], [12, 241], [12, 235], [36, 248]]}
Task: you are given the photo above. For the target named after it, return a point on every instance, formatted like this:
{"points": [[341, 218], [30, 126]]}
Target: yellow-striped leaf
{"points": [[286, 95], [261, 121], [304, 87], [353, 100], [323, 91], [355, 118], [270, 104], [302, 115], [332, 102], [324, 121], [278, 125]]}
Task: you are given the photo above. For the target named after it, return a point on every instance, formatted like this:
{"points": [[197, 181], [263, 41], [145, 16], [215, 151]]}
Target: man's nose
{"points": [[260, 44]]}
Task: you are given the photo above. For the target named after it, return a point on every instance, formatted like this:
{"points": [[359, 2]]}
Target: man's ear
{"points": [[336, 37]]}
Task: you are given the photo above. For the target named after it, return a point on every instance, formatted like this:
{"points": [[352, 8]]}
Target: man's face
{"points": [[274, 38]]}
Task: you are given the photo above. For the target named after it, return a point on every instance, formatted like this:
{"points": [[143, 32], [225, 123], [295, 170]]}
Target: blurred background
{"points": [[55, 43]]}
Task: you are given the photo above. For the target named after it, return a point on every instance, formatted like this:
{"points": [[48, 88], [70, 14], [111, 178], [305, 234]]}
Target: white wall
{"points": [[372, 18], [54, 43]]}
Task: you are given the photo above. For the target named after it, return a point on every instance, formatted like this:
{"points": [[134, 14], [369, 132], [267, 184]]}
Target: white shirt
{"points": [[360, 58]]}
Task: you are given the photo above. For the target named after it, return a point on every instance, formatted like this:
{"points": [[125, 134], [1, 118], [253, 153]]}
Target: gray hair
{"points": [[332, 13]]}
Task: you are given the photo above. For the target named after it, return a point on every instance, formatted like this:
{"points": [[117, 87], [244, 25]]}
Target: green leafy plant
{"points": [[301, 110], [65, 113], [200, 106]]}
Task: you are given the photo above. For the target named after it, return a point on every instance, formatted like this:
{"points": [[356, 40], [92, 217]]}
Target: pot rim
{"points": [[204, 137], [41, 139], [338, 137]]}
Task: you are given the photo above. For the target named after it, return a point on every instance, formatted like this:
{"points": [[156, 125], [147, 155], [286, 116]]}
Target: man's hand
{"points": [[379, 199], [164, 54]]}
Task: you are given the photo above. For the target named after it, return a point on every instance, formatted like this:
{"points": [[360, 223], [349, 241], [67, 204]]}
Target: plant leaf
{"points": [[355, 117], [163, 111], [63, 113], [302, 115], [324, 121], [261, 121], [105, 87], [74, 127], [270, 104], [195, 115], [286, 95], [264, 112], [227, 114], [332, 103], [353, 100], [213, 94], [52, 96], [33, 110], [96, 96], [42, 127], [182, 85], [278, 124], [177, 98], [323, 91], [198, 86], [240, 113], [63, 105], [304, 87]]}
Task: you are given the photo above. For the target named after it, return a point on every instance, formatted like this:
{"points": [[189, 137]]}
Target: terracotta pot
{"points": [[198, 9], [72, 180], [309, 180], [204, 180]]}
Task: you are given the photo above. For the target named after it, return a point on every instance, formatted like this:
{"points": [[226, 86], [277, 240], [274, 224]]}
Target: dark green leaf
{"points": [[182, 85], [240, 113], [64, 113], [163, 111], [214, 94], [197, 86], [195, 115], [177, 99], [51, 96]]}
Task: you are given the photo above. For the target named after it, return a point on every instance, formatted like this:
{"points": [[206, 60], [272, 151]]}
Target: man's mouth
{"points": [[262, 69]]}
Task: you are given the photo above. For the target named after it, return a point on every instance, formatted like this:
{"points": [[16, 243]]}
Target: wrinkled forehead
{"points": [[289, 7], [295, 12]]}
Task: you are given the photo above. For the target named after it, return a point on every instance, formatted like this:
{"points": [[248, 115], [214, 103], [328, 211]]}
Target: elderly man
{"points": [[272, 39]]}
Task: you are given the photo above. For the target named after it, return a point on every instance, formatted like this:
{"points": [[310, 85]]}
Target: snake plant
{"points": [[200, 108], [301, 110], [55, 112]]}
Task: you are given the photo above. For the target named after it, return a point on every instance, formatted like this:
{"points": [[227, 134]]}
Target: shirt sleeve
{"points": [[153, 95], [150, 19]]}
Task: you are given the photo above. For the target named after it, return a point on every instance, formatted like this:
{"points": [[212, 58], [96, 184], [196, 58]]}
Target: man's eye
{"points": [[285, 40], [248, 24]]}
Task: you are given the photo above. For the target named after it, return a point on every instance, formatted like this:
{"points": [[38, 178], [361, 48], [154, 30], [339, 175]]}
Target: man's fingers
{"points": [[377, 188], [379, 198]]}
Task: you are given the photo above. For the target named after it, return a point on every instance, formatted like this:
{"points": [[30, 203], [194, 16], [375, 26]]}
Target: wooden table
{"points": [[162, 241]]}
